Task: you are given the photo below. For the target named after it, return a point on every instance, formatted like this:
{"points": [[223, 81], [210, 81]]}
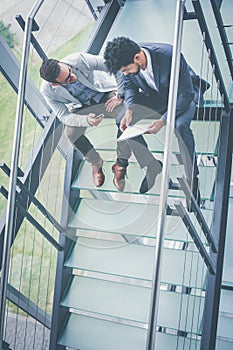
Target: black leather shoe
{"points": [[153, 169], [97, 174], [119, 176], [194, 186]]}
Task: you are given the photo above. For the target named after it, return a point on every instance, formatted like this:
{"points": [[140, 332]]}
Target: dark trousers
{"points": [[76, 134], [152, 108]]}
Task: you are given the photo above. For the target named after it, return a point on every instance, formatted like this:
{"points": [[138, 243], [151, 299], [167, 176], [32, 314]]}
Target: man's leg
{"points": [[123, 155], [81, 142], [139, 147], [187, 150]]}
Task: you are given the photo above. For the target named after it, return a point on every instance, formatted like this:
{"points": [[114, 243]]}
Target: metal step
{"points": [[135, 176], [223, 344], [205, 134], [138, 220], [82, 332], [225, 319], [131, 303], [225, 326], [136, 261]]}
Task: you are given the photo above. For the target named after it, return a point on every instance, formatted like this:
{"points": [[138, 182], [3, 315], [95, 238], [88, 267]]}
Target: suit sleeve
{"points": [[61, 111], [185, 93], [131, 92]]}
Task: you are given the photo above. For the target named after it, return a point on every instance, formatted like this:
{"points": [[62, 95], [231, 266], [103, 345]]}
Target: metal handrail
{"points": [[223, 35], [173, 89], [14, 166], [30, 218], [33, 199], [213, 58], [196, 238], [33, 40], [200, 217]]}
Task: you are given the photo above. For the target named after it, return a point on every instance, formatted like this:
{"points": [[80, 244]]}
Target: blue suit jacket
{"points": [[189, 82]]}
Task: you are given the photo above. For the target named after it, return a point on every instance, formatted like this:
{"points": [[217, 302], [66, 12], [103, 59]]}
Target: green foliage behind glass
{"points": [[6, 33]]}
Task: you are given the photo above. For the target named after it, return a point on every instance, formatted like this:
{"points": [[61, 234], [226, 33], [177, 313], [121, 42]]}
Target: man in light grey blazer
{"points": [[79, 89]]}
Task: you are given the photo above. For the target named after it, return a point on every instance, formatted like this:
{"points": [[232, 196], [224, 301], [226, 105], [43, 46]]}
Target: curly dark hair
{"points": [[120, 52], [50, 70]]}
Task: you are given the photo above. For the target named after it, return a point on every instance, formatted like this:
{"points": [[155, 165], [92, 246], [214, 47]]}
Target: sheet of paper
{"points": [[132, 131]]}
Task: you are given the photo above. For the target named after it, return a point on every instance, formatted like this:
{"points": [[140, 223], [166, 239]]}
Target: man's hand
{"points": [[93, 121], [112, 102], [155, 126], [126, 120]]}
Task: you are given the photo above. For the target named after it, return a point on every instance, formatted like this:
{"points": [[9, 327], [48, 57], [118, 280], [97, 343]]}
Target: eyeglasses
{"points": [[67, 79]]}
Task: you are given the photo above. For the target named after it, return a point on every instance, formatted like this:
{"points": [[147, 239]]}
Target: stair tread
{"points": [[225, 327], [226, 304], [83, 332], [132, 302], [136, 261], [205, 134], [137, 219], [90, 333], [135, 175], [224, 344]]}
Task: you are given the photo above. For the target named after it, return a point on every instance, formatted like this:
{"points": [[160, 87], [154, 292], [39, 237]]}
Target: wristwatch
{"points": [[120, 95]]}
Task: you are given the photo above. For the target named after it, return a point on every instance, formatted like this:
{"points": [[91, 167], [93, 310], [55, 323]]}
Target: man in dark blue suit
{"points": [[146, 68]]}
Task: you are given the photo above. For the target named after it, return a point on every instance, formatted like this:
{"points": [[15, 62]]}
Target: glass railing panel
{"points": [[167, 341], [225, 9]]}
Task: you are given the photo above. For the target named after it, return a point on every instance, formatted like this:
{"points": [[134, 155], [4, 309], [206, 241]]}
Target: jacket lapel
{"points": [[83, 79], [141, 83], [64, 94]]}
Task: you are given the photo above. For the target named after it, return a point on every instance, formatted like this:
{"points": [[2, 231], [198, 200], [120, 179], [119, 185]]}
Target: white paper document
{"points": [[132, 131]]}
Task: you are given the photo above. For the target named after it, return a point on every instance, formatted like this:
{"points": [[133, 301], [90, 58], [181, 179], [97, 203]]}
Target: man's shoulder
{"points": [[72, 58], [157, 47], [80, 58], [46, 89]]}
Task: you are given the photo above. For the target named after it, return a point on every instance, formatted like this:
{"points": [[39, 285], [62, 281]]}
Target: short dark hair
{"points": [[50, 70], [120, 52]]}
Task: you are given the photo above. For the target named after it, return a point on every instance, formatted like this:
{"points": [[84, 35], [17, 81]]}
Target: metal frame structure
{"points": [[10, 214], [221, 27], [219, 232], [64, 275], [102, 27], [28, 306], [31, 179], [173, 88]]}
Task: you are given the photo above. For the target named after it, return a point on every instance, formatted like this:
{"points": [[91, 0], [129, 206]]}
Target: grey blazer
{"points": [[91, 71]]}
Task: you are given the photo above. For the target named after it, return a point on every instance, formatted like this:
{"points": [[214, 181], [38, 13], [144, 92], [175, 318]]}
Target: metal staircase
{"points": [[105, 264], [111, 260]]}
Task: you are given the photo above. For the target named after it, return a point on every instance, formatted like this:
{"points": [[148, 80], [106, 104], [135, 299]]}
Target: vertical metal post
{"points": [[173, 89], [102, 27], [14, 167], [219, 225]]}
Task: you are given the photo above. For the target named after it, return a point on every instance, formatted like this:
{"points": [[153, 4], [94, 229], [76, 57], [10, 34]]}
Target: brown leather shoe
{"points": [[119, 176], [97, 174]]}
